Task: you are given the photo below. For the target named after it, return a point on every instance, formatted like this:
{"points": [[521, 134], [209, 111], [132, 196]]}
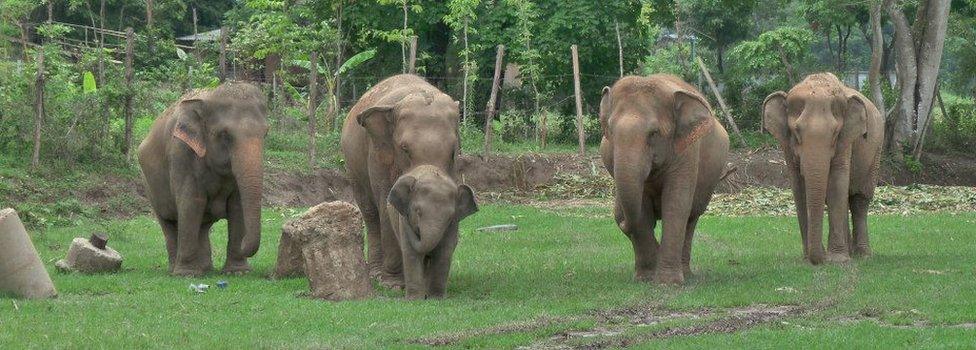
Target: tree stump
{"points": [[290, 263], [85, 257], [331, 239], [21, 271]]}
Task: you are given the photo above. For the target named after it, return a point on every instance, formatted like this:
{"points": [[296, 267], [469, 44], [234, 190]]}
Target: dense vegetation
{"points": [[751, 48]]}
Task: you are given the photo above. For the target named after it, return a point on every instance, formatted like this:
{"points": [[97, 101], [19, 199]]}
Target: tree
{"points": [[918, 47], [721, 23], [776, 50]]}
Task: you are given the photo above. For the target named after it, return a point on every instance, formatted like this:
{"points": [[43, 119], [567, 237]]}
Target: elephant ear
{"points": [[605, 109], [774, 116], [399, 195], [855, 122], [466, 204], [189, 126], [692, 119], [378, 120]]}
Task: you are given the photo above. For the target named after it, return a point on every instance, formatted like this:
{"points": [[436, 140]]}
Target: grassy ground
{"points": [[563, 279]]}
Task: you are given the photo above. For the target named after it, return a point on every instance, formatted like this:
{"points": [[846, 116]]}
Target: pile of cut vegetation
{"points": [[900, 200]]}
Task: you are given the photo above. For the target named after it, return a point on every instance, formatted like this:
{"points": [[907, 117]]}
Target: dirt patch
{"points": [[453, 338]]}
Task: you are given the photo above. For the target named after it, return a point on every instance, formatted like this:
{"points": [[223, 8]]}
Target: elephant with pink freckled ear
{"points": [[831, 137], [666, 152], [203, 160]]}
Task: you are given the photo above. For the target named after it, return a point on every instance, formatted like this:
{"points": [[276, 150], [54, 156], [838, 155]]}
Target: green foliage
{"points": [[770, 49], [957, 130], [88, 84]]}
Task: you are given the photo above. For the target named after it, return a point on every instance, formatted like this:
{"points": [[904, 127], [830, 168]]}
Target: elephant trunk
{"points": [[629, 172], [815, 170], [428, 238], [247, 164]]}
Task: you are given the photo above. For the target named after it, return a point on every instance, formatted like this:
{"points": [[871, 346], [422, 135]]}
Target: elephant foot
{"points": [[184, 271], [236, 268], [669, 277], [861, 252], [838, 258], [391, 281], [645, 276]]}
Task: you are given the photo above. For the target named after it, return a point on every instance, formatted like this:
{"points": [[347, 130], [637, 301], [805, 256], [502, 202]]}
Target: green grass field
{"points": [[564, 278]]}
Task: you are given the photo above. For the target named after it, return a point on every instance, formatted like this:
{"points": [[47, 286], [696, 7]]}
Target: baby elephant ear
{"points": [[855, 124], [189, 126], [378, 120], [399, 195], [691, 119], [774, 116], [466, 204]]}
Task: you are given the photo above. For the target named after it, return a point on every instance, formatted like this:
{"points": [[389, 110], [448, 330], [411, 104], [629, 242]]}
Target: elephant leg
{"points": [[371, 216], [439, 268], [413, 273], [189, 223], [205, 250], [236, 262], [676, 210], [642, 239], [686, 252], [800, 202], [838, 211], [170, 232], [859, 211], [392, 272]]}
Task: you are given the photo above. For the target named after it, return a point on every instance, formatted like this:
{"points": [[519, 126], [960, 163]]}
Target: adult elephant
{"points": [[401, 124], [666, 152], [202, 162], [831, 137]]}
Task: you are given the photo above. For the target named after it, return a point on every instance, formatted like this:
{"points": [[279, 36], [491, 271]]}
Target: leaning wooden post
{"points": [[490, 111], [412, 67], [129, 41], [223, 54], [721, 102], [579, 101], [312, 104], [38, 107]]}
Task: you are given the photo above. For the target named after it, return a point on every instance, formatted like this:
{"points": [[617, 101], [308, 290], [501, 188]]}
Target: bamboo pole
{"points": [[490, 110], [721, 101], [312, 104], [579, 101], [620, 49], [38, 108]]}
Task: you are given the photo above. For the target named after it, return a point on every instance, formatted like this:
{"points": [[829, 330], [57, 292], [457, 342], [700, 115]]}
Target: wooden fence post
{"points": [[223, 54], [129, 43], [721, 101], [543, 128], [579, 101], [312, 104], [412, 67], [38, 108], [490, 112]]}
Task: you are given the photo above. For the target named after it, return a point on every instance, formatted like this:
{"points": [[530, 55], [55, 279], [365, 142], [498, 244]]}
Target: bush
{"points": [[957, 130]]}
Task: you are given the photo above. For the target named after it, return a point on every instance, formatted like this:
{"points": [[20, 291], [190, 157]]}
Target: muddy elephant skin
{"points": [[202, 162], [401, 124], [666, 152], [831, 137]]}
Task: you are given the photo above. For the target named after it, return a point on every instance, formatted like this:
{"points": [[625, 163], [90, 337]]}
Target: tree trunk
{"points": [[877, 50], [907, 74]]}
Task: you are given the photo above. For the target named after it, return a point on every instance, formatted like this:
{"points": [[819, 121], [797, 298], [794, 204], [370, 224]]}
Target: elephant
{"points": [[831, 137], [427, 238], [202, 161], [666, 153], [400, 124]]}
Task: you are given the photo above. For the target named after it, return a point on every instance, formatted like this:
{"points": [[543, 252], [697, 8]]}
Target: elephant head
{"points": [[647, 123], [815, 124], [430, 203], [226, 128], [420, 128]]}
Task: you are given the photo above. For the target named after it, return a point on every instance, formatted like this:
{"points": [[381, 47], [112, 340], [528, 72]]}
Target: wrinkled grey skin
{"points": [[400, 124], [202, 162], [666, 152], [831, 137], [425, 206]]}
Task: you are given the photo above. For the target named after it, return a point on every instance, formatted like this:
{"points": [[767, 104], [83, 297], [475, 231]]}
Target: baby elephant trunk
{"points": [[430, 235]]}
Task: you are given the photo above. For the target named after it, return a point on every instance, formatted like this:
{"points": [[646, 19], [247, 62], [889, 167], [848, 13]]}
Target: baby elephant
{"points": [[831, 137], [425, 206]]}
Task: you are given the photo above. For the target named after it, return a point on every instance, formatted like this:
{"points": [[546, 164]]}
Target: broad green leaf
{"points": [[356, 60], [181, 54], [88, 83]]}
